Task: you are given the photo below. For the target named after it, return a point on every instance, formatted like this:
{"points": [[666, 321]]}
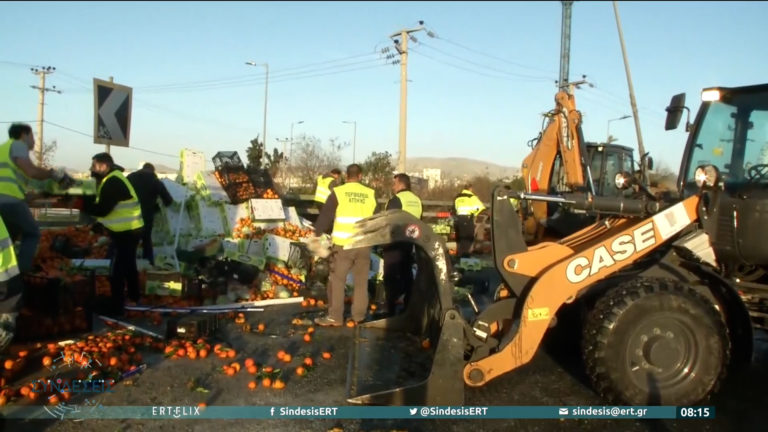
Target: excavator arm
{"points": [[562, 136]]}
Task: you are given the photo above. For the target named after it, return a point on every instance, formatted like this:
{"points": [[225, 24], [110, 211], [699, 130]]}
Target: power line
{"points": [[250, 77], [488, 55], [538, 77], [460, 67], [91, 136]]}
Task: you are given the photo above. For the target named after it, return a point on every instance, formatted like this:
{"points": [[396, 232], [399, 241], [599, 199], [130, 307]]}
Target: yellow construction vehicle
{"points": [[665, 324], [562, 161]]}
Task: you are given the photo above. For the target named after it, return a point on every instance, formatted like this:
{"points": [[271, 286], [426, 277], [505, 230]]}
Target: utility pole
{"points": [[565, 46], [640, 146], [401, 45], [42, 72]]}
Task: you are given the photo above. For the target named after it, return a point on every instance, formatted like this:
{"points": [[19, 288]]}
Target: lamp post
{"points": [[608, 138], [266, 89], [354, 137], [290, 154]]}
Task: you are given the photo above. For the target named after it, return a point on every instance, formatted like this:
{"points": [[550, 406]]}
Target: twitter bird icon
{"points": [[413, 411]]}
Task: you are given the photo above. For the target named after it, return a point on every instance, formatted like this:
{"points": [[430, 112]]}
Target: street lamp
{"points": [[608, 139], [266, 88], [354, 137], [290, 154]]}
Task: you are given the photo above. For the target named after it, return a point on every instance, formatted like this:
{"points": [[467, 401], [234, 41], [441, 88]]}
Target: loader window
{"points": [[713, 143]]}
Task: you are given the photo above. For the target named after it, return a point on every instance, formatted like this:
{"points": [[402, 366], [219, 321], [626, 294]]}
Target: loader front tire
{"points": [[655, 342]]}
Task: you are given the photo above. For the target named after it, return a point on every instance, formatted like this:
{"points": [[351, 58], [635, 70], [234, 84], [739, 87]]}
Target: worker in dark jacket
{"points": [[117, 208], [398, 257], [149, 188]]}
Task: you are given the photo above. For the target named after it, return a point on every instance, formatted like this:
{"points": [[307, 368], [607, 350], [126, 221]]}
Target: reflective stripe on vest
{"points": [[410, 202], [12, 180], [8, 265], [323, 190], [356, 202], [126, 215], [467, 204]]}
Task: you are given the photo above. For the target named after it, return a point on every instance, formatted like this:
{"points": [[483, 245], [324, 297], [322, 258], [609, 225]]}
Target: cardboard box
{"points": [[267, 209], [277, 247], [254, 260]]}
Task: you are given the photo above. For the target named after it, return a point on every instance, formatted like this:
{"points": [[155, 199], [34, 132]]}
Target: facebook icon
{"points": [[272, 411]]}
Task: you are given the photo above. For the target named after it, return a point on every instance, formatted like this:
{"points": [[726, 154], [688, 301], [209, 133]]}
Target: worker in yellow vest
{"points": [[117, 208], [16, 169], [466, 207], [346, 205], [398, 257], [10, 288], [325, 185]]}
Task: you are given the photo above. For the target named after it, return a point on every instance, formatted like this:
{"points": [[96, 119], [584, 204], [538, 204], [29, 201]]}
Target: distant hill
{"points": [[461, 167]]}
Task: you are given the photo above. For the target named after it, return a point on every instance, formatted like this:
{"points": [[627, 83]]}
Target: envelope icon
{"points": [[563, 411]]}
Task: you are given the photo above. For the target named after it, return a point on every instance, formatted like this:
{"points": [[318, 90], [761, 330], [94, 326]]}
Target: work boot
{"points": [[326, 321]]}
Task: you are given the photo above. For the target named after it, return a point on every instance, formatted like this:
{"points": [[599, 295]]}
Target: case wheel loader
{"points": [[666, 323]]}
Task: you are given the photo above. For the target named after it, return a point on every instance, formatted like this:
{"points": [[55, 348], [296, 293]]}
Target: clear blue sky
{"points": [[484, 102]]}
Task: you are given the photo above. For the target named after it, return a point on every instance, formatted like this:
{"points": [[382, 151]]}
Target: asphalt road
{"points": [[553, 378]]}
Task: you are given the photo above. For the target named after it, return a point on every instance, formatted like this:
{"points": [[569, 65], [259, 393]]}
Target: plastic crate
{"points": [[239, 193], [261, 180], [227, 160]]}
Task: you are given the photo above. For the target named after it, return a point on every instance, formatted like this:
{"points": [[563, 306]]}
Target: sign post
{"points": [[112, 113]]}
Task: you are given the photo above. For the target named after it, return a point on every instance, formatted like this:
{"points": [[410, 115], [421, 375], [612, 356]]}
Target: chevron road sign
{"points": [[112, 113]]}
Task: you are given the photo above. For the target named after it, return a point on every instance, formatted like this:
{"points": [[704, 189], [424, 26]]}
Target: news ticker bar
{"points": [[358, 412]]}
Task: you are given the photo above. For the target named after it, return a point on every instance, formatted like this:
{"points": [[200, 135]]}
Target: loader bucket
{"points": [[417, 357]]}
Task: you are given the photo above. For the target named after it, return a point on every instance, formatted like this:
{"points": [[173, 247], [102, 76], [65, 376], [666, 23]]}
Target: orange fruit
{"points": [[425, 344], [231, 353], [192, 354], [222, 354], [300, 371], [3, 400], [235, 366], [320, 303], [181, 352], [53, 400], [23, 353], [310, 330], [267, 369], [24, 391], [261, 327], [304, 303], [313, 302], [287, 358], [350, 323], [279, 384], [248, 363], [308, 361], [47, 361], [8, 364], [252, 370], [113, 361], [217, 348], [280, 354], [33, 395], [252, 385], [373, 307], [203, 353], [202, 405], [266, 382], [307, 338], [229, 371], [326, 355]]}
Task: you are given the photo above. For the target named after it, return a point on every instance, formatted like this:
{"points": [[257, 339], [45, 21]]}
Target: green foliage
{"points": [[378, 171]]}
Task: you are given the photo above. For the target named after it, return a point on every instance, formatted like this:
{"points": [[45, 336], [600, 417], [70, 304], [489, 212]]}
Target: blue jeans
{"points": [[20, 222]]}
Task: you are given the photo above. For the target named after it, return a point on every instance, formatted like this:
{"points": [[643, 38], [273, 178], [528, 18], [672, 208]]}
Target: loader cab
{"points": [[730, 132], [605, 161]]}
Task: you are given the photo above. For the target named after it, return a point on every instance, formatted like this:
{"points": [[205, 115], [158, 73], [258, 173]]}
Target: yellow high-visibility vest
{"points": [[8, 265], [410, 202], [126, 215], [468, 204], [356, 202], [323, 190], [13, 181]]}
